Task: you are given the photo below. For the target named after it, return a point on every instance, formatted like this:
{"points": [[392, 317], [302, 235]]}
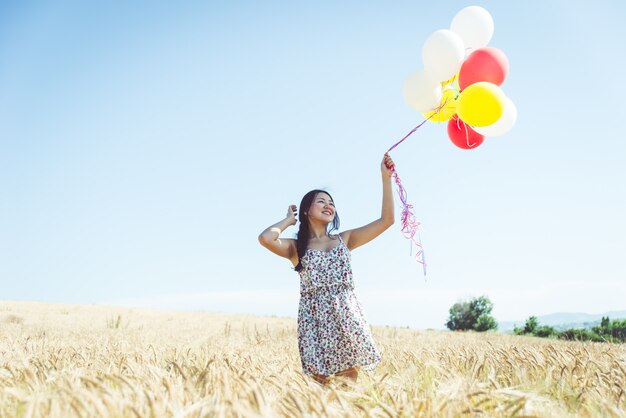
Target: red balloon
{"points": [[462, 135], [484, 64]]}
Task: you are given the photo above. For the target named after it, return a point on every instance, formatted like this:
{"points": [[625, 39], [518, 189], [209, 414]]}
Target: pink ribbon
{"points": [[410, 224]]}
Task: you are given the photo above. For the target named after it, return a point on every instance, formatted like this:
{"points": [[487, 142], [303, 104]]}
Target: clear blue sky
{"points": [[144, 146]]}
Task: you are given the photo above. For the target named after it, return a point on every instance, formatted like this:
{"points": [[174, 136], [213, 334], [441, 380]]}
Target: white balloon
{"points": [[443, 54], [421, 91], [502, 125], [474, 25]]}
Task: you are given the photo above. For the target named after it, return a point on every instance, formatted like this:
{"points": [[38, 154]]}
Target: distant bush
{"points": [[579, 334], [532, 327], [607, 331], [614, 331], [545, 331], [472, 315]]}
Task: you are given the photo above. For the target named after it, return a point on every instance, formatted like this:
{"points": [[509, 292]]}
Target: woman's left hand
{"points": [[387, 166]]}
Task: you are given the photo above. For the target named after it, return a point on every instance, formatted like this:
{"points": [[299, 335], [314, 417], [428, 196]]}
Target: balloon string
{"points": [[433, 113], [458, 125], [409, 134], [409, 223]]}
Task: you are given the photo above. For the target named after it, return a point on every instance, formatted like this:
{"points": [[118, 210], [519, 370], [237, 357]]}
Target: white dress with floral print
{"points": [[333, 333]]}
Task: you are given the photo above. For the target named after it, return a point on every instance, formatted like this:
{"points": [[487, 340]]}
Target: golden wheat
{"points": [[76, 361]]}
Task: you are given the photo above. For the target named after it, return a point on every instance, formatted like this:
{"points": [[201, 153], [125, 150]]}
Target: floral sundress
{"points": [[333, 333]]}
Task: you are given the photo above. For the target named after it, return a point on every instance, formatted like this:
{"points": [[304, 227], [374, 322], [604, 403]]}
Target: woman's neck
{"points": [[317, 231]]}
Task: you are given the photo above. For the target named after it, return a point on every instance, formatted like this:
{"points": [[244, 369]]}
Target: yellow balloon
{"points": [[446, 108], [481, 104]]}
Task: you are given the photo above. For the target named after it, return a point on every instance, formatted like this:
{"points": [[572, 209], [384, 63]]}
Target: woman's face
{"points": [[322, 208]]}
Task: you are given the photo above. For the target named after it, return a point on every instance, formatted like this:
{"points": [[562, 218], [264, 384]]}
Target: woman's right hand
{"points": [[292, 214]]}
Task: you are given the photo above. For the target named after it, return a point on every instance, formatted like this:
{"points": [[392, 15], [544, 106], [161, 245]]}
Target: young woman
{"points": [[334, 337]]}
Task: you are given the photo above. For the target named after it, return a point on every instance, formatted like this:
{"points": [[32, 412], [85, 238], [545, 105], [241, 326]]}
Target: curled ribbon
{"points": [[410, 224]]}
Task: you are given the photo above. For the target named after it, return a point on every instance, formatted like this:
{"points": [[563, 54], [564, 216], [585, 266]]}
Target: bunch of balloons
{"points": [[461, 79]]}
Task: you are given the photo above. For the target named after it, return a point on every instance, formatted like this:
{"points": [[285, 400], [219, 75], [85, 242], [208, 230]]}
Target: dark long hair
{"points": [[302, 239]]}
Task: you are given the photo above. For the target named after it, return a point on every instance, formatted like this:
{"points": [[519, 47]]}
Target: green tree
{"points": [[605, 322], [472, 315], [531, 325]]}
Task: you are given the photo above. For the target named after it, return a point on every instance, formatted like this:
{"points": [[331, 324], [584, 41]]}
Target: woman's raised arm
{"points": [[356, 237], [285, 247]]}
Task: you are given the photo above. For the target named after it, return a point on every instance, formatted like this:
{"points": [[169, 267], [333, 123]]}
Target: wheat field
{"points": [[87, 360]]}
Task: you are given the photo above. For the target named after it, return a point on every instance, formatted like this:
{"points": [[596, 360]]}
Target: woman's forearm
{"points": [[387, 212], [272, 233]]}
